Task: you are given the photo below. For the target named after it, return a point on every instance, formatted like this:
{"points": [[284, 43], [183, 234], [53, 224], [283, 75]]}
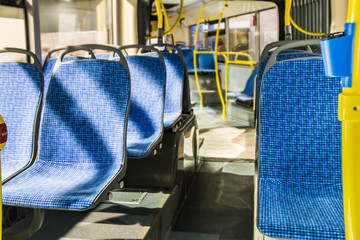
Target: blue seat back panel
{"points": [[206, 62], [189, 59], [148, 79], [249, 87], [20, 97], [300, 173], [82, 138], [304, 146], [281, 57], [174, 87], [48, 70], [88, 111]]}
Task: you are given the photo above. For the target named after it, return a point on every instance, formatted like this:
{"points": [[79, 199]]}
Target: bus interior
{"points": [[180, 119]]}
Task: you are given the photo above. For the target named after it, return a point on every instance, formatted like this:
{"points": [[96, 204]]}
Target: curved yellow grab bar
{"points": [[162, 9], [200, 19], [238, 62], [289, 20]]}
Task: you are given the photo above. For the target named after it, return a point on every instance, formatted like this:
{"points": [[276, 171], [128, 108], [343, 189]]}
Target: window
{"points": [[12, 25], [242, 34], [248, 33], [268, 30], [68, 22], [207, 34]]}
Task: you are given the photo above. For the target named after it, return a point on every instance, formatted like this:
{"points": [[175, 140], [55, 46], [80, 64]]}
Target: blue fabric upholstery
{"points": [[20, 96], [206, 62], [248, 93], [145, 127], [48, 69], [189, 59], [300, 186], [82, 138], [281, 57], [174, 86]]}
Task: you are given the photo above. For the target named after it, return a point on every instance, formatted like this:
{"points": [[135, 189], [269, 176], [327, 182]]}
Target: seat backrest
{"points": [[49, 67], [300, 135], [148, 79], [281, 57], [249, 87], [189, 59], [84, 117], [175, 71], [206, 61], [20, 106]]}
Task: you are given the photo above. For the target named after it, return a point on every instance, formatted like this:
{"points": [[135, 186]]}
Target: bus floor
{"points": [[220, 204]]}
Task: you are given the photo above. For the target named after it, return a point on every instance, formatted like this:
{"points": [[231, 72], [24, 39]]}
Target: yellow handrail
{"points": [[238, 62], [200, 19], [160, 16], [349, 101], [289, 20], [169, 31]]}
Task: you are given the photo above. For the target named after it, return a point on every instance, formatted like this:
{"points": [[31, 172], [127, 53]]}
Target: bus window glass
{"points": [[268, 27], [12, 23], [70, 22], [242, 34], [207, 34]]}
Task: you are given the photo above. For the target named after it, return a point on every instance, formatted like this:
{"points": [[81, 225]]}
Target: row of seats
{"points": [[72, 127], [299, 147], [205, 62]]}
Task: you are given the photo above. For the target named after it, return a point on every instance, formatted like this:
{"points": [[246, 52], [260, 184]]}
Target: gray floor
{"points": [[220, 205]]}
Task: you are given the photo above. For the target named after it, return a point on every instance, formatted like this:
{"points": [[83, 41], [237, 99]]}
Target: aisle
{"points": [[220, 204]]}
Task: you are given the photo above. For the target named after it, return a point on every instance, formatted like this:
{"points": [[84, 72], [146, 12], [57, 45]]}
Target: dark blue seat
{"points": [[20, 106], [145, 125], [300, 181], [189, 59], [206, 62], [174, 87], [82, 138]]}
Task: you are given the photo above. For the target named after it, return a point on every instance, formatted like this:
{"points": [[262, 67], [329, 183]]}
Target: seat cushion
{"points": [[301, 211], [59, 185]]}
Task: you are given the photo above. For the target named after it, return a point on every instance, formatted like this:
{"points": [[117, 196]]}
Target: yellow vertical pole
{"points": [[195, 62], [349, 114], [3, 138], [226, 78], [216, 63]]}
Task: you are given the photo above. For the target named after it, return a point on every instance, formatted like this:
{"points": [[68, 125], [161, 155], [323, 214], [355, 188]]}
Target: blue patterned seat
{"points": [[145, 125], [48, 70], [20, 99], [174, 87], [206, 63], [300, 181], [285, 55], [82, 139], [189, 59]]}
